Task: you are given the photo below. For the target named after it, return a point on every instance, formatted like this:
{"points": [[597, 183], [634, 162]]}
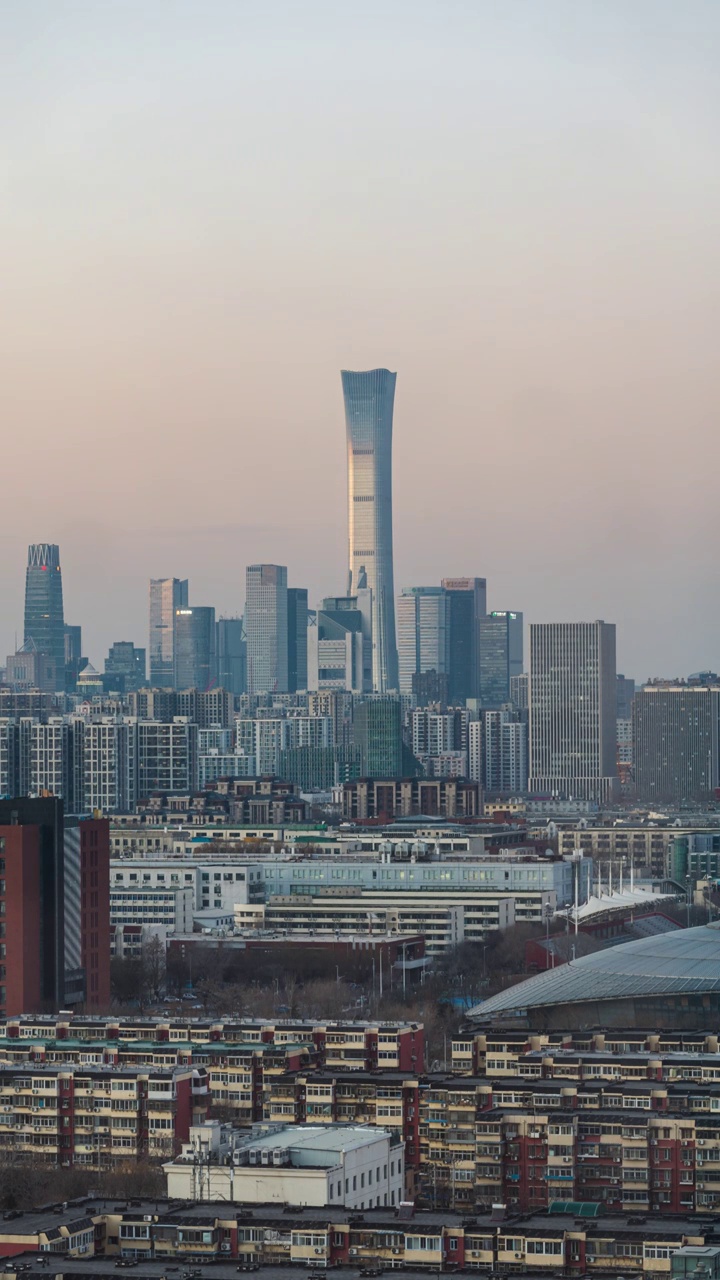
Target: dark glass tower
{"points": [[297, 610], [195, 661], [44, 620], [369, 399]]}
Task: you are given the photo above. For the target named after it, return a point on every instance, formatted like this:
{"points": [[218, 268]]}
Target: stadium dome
{"points": [[671, 979]]}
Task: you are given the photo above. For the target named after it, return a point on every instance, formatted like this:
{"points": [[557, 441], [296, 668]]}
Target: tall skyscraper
{"points": [[501, 656], [44, 620], [167, 595], [231, 655], [572, 709], [297, 607], [423, 634], [467, 604], [369, 399], [266, 628], [195, 665]]}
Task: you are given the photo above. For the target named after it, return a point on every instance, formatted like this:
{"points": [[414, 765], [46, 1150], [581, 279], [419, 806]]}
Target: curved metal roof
{"points": [[684, 962]]}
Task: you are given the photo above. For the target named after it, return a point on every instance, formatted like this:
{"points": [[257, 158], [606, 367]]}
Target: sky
{"points": [[210, 207]]}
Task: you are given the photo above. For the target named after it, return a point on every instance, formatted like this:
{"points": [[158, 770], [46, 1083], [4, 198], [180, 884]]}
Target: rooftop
{"points": [[684, 962]]}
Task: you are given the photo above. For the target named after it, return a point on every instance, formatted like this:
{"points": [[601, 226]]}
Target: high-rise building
{"points": [[30, 668], [572, 710], [625, 695], [501, 656], [467, 604], [369, 401], [231, 655], [339, 641], [266, 628], [676, 734], [167, 757], [74, 660], [55, 892], [195, 665], [377, 733], [124, 667], [499, 752], [423, 634], [520, 691], [297, 610], [167, 595], [44, 619]]}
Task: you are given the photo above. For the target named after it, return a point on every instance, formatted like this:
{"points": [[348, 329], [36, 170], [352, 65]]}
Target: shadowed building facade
{"points": [[369, 399], [44, 619]]}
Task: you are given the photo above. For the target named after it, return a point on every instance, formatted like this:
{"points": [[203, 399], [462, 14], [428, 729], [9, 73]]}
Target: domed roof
{"points": [[686, 961]]}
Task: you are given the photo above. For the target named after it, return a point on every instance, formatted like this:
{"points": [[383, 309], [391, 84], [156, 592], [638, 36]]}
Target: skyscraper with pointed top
{"points": [[369, 399], [44, 619]]}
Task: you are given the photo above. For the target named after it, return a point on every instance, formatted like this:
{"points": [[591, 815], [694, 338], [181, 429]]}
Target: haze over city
{"points": [[211, 209]]}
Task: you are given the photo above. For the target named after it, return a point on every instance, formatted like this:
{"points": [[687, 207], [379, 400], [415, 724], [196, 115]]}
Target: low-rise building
{"points": [[303, 1164]]}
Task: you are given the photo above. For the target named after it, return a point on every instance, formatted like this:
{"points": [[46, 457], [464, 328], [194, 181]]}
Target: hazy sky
{"points": [[208, 207]]}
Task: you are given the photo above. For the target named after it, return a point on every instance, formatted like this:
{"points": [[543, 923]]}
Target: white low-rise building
{"points": [[356, 1166]]}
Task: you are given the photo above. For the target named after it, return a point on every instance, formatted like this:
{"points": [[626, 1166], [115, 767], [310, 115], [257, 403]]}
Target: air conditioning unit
{"points": [[701, 1142], [224, 1246], [518, 1255], [653, 1142], [319, 1250], [567, 1159], [396, 1250], [589, 1257], [353, 1253], [147, 1217], [265, 1155]]}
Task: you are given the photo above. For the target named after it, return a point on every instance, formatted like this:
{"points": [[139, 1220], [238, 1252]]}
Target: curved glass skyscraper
{"points": [[369, 401]]}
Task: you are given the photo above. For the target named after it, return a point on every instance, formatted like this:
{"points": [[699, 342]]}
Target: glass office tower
{"points": [[501, 656], [44, 619], [266, 628], [167, 595], [195, 661], [369, 399]]}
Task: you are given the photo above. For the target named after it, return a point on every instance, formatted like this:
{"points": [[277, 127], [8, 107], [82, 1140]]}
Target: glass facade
{"points": [[44, 619], [266, 628], [423, 634], [167, 595], [297, 609], [195, 661], [231, 655], [501, 656], [369, 399], [377, 734]]}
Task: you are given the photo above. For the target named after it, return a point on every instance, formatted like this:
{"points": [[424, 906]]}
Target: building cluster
{"points": [[160, 1235]]}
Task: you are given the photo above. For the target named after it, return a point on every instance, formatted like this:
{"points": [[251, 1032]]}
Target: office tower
{"points": [[377, 735], [339, 640], [297, 611], [55, 892], [167, 757], [30, 668], [266, 628], [625, 695], [73, 655], [467, 604], [430, 689], [423, 634], [520, 691], [124, 668], [500, 656], [167, 595], [369, 401], [675, 737], [572, 710], [44, 620], [195, 662], [231, 655]]}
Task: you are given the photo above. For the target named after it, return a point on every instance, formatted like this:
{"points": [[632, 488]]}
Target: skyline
{"points": [[514, 208]]}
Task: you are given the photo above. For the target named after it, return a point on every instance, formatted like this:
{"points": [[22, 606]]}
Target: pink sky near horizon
{"points": [[211, 208]]}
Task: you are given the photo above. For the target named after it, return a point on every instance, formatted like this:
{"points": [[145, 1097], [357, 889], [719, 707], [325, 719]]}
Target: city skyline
{"points": [[519, 216]]}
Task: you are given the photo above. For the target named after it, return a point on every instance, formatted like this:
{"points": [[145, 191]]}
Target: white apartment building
{"points": [[144, 905], [109, 763]]}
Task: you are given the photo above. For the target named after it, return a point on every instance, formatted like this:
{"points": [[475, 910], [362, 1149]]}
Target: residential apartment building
{"points": [[98, 1116], [393, 797]]}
